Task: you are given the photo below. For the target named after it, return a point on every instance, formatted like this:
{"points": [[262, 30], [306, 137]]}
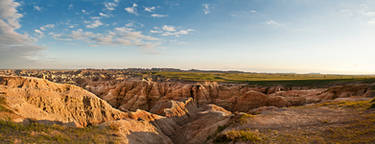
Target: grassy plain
{"points": [[265, 78]]}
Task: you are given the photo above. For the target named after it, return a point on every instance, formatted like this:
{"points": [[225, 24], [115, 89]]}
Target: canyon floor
{"points": [[138, 106]]}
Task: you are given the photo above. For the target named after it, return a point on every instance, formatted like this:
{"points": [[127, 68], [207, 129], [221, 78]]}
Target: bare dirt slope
{"points": [[340, 121]]}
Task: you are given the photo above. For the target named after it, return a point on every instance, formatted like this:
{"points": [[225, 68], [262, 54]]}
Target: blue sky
{"points": [[302, 36]]}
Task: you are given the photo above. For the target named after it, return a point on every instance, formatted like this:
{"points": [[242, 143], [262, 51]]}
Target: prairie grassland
{"points": [[264, 78]]}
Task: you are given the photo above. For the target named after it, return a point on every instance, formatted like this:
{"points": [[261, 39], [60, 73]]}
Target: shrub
{"points": [[239, 135], [244, 118]]}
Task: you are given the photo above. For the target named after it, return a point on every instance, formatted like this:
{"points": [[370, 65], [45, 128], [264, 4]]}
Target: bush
{"points": [[239, 135], [244, 118]]}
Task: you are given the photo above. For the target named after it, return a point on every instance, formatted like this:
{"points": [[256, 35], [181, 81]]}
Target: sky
{"points": [[301, 36]]}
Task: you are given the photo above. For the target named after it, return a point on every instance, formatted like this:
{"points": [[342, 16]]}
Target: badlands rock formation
{"points": [[153, 96], [47, 102], [151, 112], [42, 100]]}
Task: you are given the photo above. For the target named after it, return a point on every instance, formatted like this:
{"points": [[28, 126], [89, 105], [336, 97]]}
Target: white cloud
{"points": [[177, 33], [94, 24], [169, 28], [40, 33], [37, 8], [9, 12], [103, 14], [110, 5], [170, 31], [158, 15], [47, 26], [372, 21], [83, 11], [150, 9], [206, 8], [16, 49], [155, 31], [95, 18], [57, 36], [132, 9], [81, 35], [272, 22], [120, 36], [253, 11]]}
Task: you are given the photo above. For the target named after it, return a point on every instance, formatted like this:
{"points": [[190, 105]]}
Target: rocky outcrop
{"points": [[43, 100]]}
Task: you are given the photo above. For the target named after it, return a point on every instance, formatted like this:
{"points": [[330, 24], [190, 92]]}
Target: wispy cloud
{"points": [[273, 23], [120, 36], [206, 8], [40, 33], [37, 8], [159, 15], [59, 36], [103, 14], [177, 33], [155, 31], [93, 24], [47, 26], [111, 5], [16, 49], [168, 30], [81, 35], [132, 9], [150, 9]]}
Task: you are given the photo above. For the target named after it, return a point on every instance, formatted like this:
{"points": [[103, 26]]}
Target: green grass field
{"points": [[263, 78]]}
